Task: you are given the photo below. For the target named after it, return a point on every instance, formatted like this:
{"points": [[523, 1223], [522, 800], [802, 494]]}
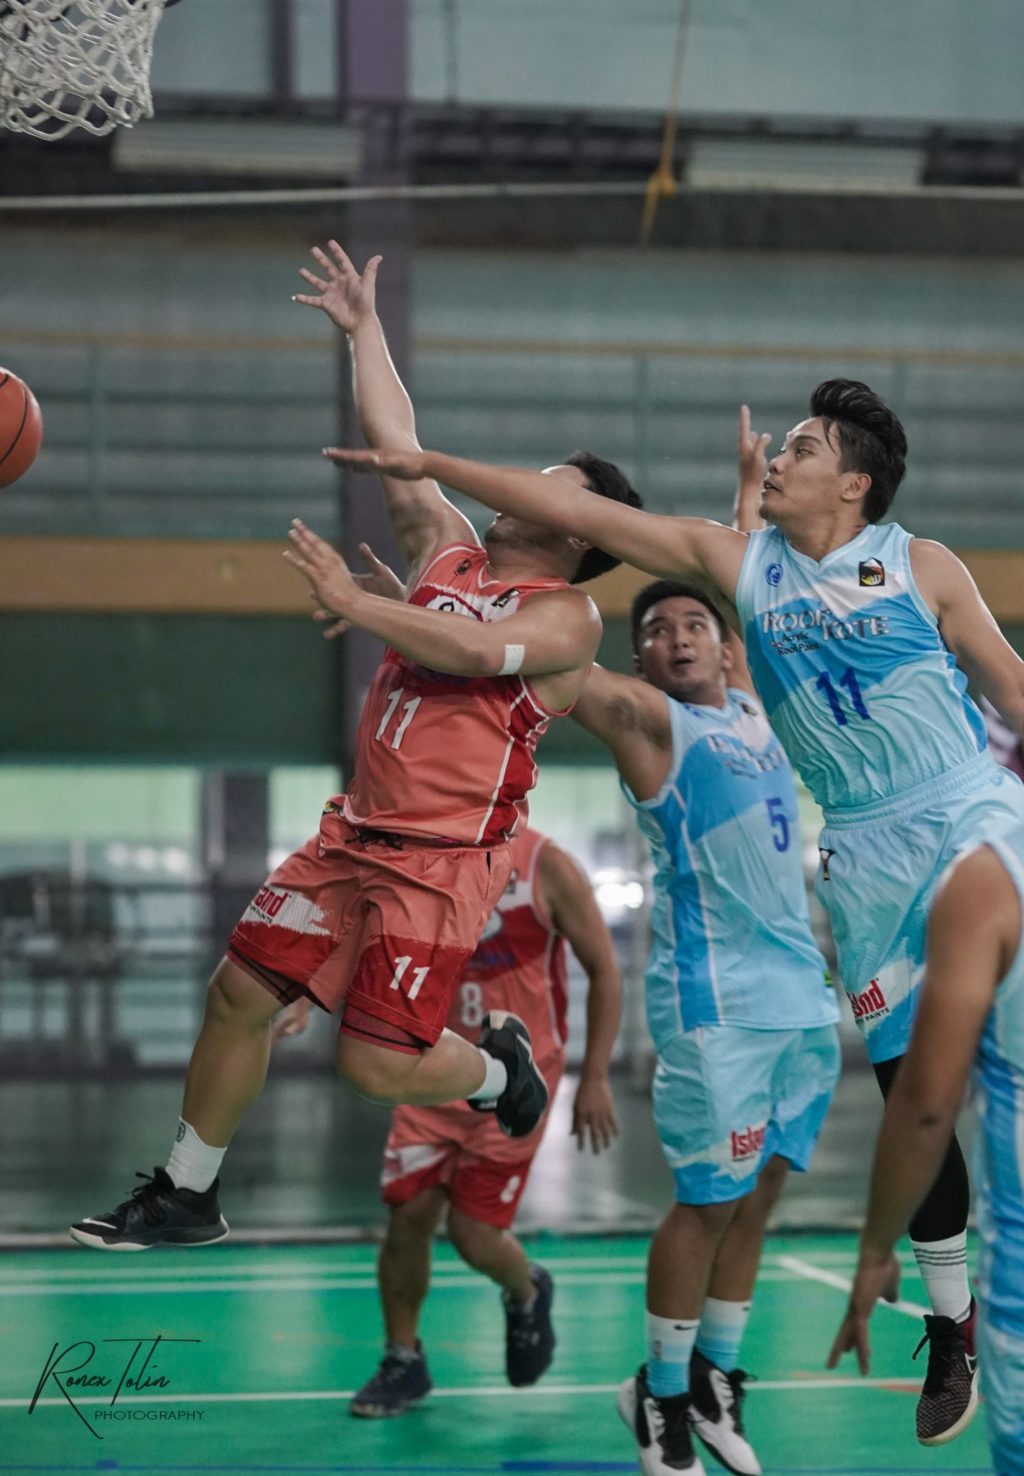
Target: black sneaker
{"points": [[716, 1413], [156, 1213], [521, 1105], [660, 1427], [529, 1336], [949, 1399], [401, 1381]]}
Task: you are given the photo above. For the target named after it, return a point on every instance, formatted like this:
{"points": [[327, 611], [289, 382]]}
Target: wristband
{"points": [[514, 658]]}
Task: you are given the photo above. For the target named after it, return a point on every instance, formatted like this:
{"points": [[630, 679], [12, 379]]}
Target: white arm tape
{"points": [[514, 658]]}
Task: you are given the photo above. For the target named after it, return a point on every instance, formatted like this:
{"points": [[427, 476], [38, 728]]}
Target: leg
{"points": [[403, 1267], [739, 1255], [230, 1056], [493, 1252], [681, 1257], [449, 1071]]}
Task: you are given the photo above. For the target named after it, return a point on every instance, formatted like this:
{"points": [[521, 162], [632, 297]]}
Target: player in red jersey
{"points": [[384, 906], [439, 1158]]}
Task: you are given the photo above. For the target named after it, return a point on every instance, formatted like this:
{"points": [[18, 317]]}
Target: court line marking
{"points": [[184, 1268], [844, 1284], [305, 1284], [483, 1391]]}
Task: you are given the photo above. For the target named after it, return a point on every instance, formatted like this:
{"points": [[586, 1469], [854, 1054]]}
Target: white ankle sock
{"points": [[670, 1343], [193, 1164], [943, 1267], [495, 1081]]}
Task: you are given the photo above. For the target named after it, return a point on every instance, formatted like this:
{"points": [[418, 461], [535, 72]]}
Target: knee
{"points": [[238, 1001], [471, 1238], [414, 1221], [380, 1075]]}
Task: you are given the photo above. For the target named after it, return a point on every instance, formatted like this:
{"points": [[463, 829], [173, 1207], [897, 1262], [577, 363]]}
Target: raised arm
{"points": [[421, 517], [668, 547], [969, 629], [631, 719], [973, 935], [752, 468], [570, 901]]}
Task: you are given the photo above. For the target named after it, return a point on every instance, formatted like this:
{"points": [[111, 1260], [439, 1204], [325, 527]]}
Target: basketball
{"points": [[21, 427]]}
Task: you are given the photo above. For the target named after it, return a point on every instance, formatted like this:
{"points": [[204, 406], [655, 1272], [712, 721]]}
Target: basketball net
{"points": [[81, 65]]}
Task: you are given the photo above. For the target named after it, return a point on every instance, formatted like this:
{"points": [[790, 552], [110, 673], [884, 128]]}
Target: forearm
{"points": [[746, 517], [911, 1146], [604, 1012], [450, 643], [385, 410], [534, 496]]}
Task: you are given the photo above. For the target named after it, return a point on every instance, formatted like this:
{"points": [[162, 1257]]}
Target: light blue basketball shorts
{"points": [[726, 1098], [880, 865], [1002, 1378]]}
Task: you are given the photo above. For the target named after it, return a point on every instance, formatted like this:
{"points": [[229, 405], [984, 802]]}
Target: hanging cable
{"points": [[662, 182]]}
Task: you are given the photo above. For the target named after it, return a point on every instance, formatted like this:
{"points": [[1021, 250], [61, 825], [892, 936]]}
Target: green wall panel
{"points": [[182, 689]]}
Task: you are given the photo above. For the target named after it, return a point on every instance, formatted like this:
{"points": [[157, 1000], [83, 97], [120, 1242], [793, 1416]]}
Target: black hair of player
{"points": [[871, 438], [668, 589], [604, 478]]}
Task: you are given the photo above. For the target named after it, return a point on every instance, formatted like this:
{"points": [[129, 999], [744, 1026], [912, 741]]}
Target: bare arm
{"points": [[631, 719], [570, 901], [422, 519], [553, 633], [973, 935], [969, 629], [668, 547]]}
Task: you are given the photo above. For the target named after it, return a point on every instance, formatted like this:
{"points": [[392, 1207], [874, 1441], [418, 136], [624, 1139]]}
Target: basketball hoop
{"points": [[81, 65]]}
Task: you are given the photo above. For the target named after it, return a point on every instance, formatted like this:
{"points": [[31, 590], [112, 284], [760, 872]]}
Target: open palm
{"points": [[345, 296]]}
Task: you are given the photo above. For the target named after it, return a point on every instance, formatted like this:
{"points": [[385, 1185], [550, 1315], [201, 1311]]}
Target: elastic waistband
{"points": [[397, 840], [953, 782]]}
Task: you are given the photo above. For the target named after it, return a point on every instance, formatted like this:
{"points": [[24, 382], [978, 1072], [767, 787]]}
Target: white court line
{"points": [[483, 1391], [844, 1283], [184, 1270], [124, 1286]]}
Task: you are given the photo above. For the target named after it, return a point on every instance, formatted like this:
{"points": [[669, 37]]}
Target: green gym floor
{"points": [[274, 1339]]}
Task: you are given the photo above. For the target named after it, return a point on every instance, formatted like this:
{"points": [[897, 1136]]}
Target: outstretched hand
{"points": [[407, 466], [329, 577], [874, 1279], [346, 297], [751, 452], [380, 580]]}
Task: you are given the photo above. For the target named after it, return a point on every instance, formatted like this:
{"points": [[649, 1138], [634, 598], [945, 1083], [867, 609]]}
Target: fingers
{"points": [[359, 461], [370, 271], [744, 424], [340, 257], [313, 279], [371, 559], [327, 264], [764, 440]]}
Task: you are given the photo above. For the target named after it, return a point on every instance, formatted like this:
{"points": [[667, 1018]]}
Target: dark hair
{"points": [[871, 438], [667, 589], [604, 478]]}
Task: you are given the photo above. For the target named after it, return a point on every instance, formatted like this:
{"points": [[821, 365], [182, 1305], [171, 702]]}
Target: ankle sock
{"points": [[943, 1267], [669, 1349], [193, 1164], [722, 1325]]}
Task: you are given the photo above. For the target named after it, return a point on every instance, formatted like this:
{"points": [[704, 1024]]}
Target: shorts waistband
{"points": [[397, 840], [954, 782]]}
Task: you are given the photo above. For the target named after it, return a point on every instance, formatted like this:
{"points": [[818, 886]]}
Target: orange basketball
{"points": [[21, 427]]}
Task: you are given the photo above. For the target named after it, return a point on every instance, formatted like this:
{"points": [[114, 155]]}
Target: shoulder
{"points": [[978, 886], [939, 574]]}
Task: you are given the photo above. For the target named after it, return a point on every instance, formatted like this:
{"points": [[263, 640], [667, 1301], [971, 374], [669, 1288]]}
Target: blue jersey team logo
{"points": [[773, 574]]}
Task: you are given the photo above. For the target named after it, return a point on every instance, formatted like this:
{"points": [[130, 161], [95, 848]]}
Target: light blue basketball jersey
{"points": [[999, 1078], [732, 943], [854, 675]]}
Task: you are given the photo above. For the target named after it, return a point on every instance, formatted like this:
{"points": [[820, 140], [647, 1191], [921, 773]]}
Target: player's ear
{"points": [[727, 657], [856, 486]]}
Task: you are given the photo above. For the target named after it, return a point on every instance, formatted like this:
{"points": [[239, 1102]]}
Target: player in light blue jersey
{"points": [[971, 1012], [859, 639], [742, 1019]]}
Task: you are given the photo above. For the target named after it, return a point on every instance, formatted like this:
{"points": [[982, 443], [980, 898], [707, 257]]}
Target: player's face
{"points": [[681, 651], [804, 476], [509, 532]]}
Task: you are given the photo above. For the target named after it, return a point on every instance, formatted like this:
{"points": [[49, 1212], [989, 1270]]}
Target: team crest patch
{"points": [[773, 574], [872, 573], [464, 567]]}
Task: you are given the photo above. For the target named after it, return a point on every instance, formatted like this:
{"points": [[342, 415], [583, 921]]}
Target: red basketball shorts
{"points": [[386, 927], [482, 1188]]}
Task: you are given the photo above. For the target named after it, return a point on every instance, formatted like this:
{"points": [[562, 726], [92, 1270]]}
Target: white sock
{"points": [[495, 1081], [943, 1267], [669, 1349], [193, 1164], [722, 1325]]}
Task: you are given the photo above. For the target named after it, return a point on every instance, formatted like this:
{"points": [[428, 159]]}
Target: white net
{"points": [[82, 65]]}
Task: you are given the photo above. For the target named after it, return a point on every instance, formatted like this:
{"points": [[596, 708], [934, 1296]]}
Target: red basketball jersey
{"points": [[449, 756], [519, 965]]}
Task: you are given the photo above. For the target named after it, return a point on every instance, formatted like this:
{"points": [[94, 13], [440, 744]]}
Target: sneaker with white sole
{"points": [[156, 1213], [521, 1105], [716, 1413], [949, 1399], [660, 1427], [529, 1335], [402, 1381]]}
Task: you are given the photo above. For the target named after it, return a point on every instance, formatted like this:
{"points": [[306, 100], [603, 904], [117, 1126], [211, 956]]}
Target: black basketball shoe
{"points": [[949, 1399], [402, 1380], [521, 1105], [529, 1336], [716, 1413], [156, 1213], [660, 1427]]}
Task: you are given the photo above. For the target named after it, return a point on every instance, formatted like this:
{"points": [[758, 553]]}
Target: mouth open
{"points": [[768, 485]]}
